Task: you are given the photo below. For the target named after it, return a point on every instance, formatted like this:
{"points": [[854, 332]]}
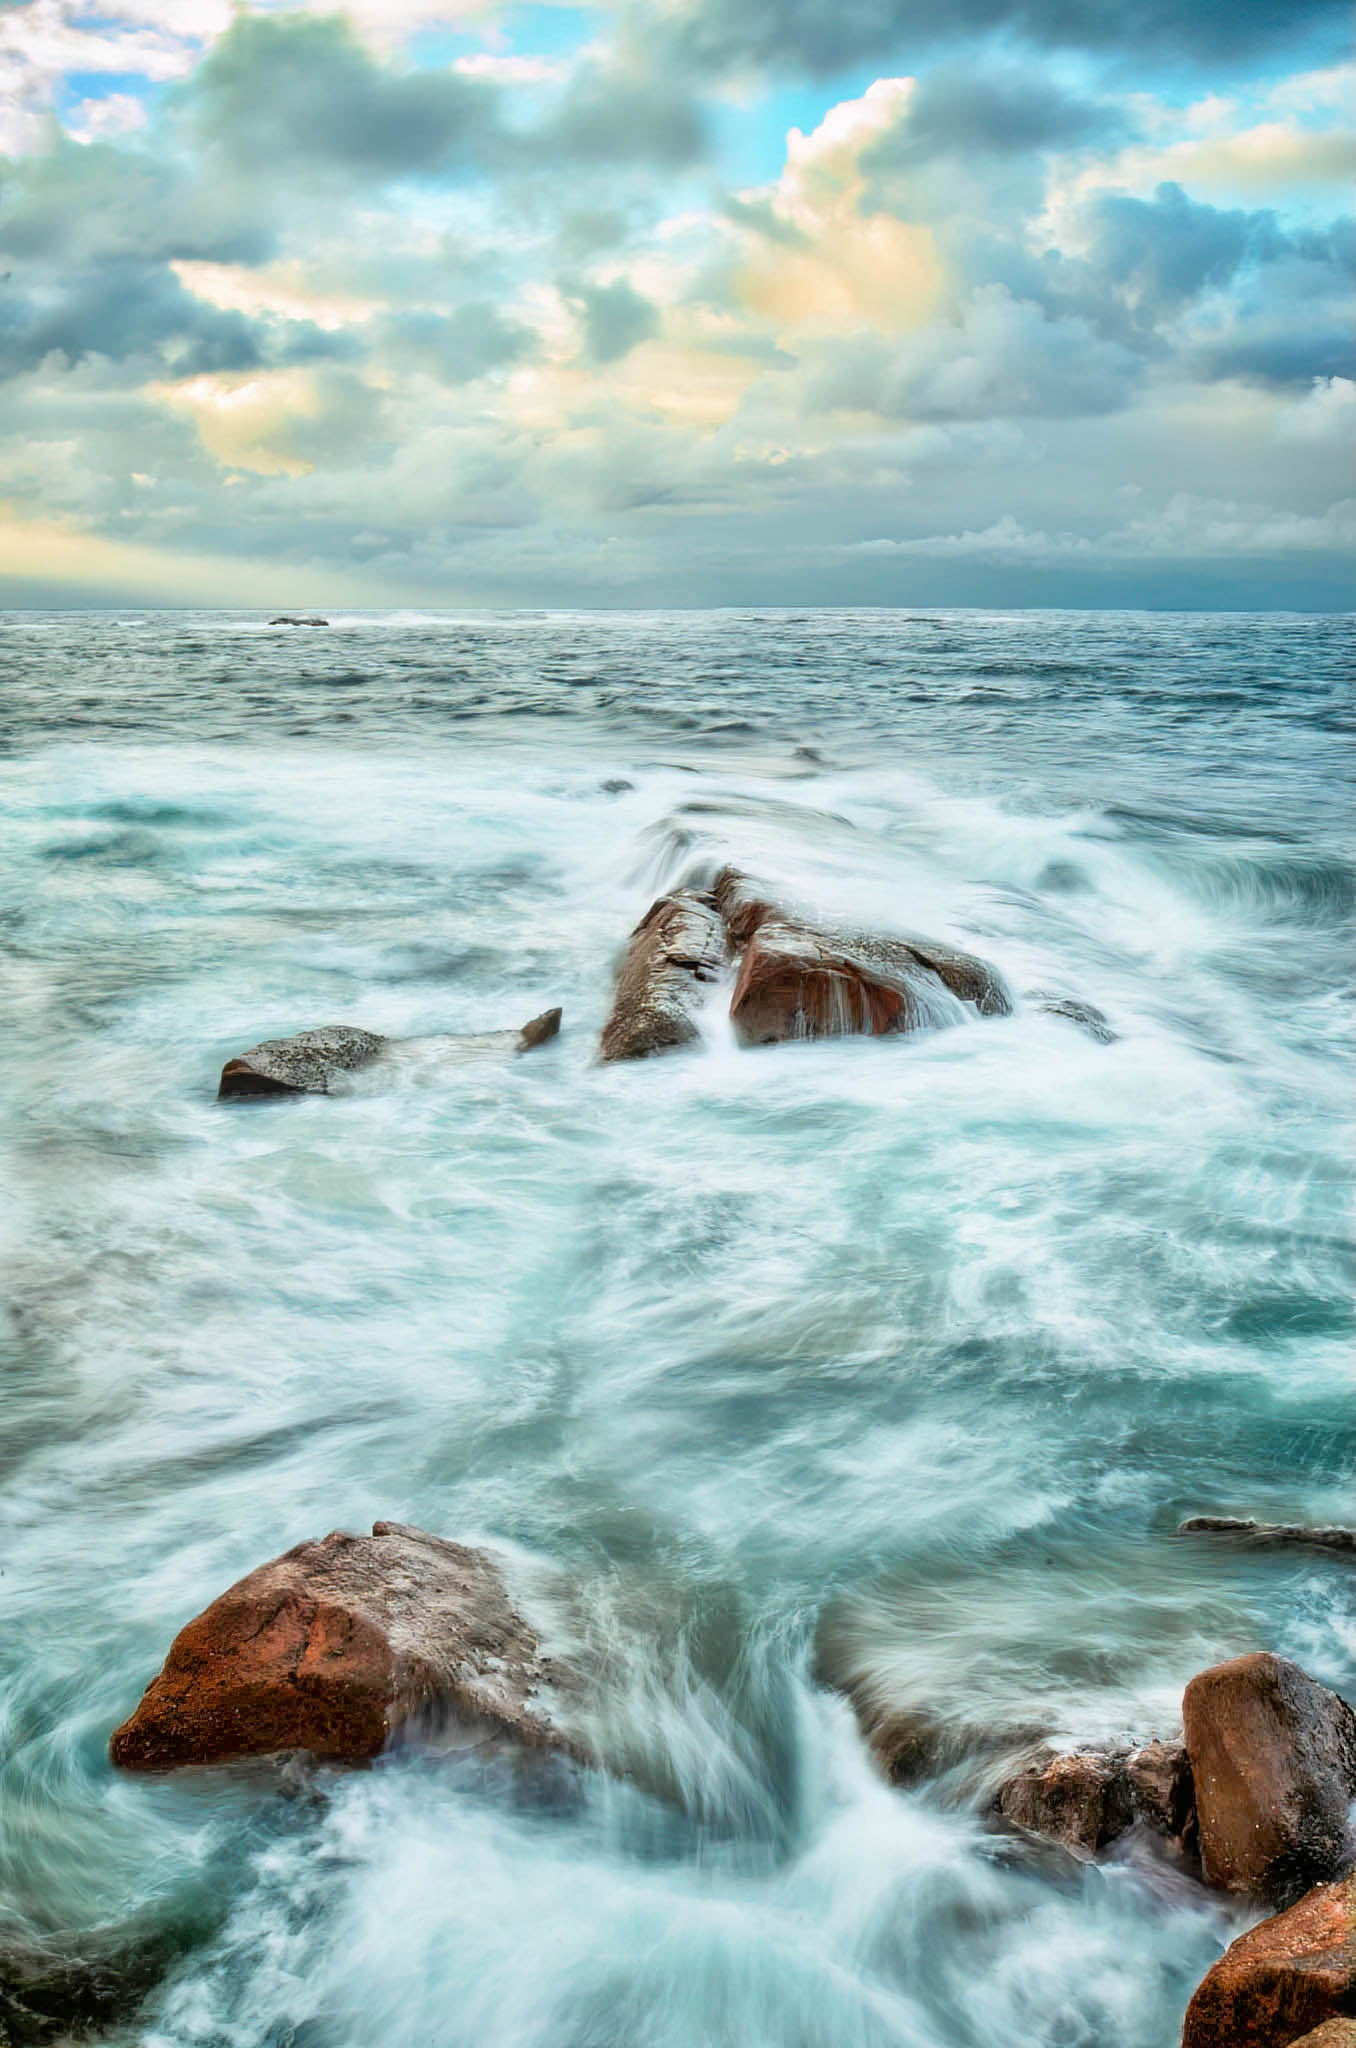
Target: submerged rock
{"points": [[335, 1646], [799, 980], [1082, 1800], [297, 619], [312, 1061], [1273, 1756], [1086, 1799], [95, 1983], [676, 951], [1087, 1016], [1282, 1979], [1266, 1533]]}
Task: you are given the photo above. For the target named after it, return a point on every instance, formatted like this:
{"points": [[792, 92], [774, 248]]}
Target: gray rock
{"points": [[1087, 1016], [1265, 1534], [316, 1062]]}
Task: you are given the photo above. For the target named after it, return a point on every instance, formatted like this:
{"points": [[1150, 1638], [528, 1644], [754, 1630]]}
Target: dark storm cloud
{"points": [[121, 309], [719, 36], [616, 318], [300, 93], [1001, 110], [614, 113], [456, 347]]}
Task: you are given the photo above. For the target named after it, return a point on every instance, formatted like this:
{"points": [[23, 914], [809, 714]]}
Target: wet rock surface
{"points": [[1086, 1016], [1281, 1980], [1265, 1534], [675, 953], [799, 980], [316, 1062], [1273, 1756], [87, 1987], [1082, 1800], [336, 1646]]}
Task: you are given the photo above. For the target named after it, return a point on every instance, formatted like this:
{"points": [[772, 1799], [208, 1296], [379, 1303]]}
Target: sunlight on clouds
{"points": [[43, 551], [277, 289], [246, 420], [840, 268]]}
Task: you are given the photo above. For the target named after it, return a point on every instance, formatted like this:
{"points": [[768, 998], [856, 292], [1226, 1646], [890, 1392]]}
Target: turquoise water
{"points": [[919, 1348]]}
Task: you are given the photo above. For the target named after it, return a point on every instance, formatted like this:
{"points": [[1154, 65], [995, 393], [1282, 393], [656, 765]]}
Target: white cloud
{"points": [[1326, 415]]}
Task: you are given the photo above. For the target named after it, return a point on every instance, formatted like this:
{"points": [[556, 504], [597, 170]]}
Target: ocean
{"points": [[898, 1357]]}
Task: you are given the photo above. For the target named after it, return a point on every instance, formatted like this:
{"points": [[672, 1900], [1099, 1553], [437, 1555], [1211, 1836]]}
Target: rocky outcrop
{"points": [[298, 619], [1265, 1534], [1086, 1799], [1332, 2034], [336, 1646], [676, 951], [1282, 1979], [317, 1062], [799, 980], [1273, 1757]]}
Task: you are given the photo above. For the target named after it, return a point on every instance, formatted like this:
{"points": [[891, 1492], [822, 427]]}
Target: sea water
{"points": [[919, 1346]]}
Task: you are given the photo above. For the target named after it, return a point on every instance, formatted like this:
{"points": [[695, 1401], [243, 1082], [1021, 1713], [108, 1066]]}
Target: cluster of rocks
{"points": [[793, 978], [343, 1646], [1256, 1799]]}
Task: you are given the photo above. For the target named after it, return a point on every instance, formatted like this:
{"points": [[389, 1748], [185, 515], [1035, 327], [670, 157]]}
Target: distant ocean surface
{"points": [[924, 1345]]}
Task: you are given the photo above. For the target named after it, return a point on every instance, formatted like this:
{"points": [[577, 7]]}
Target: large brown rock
{"points": [[801, 980], [676, 951], [317, 1062], [334, 1646], [1282, 1979], [1273, 1756]]}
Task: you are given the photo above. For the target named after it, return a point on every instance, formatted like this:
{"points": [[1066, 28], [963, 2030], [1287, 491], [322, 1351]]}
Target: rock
{"points": [[1086, 1015], [1332, 2034], [1162, 1791], [1083, 1800], [1265, 1533], [1281, 1979], [296, 619], [1273, 1756], [799, 980], [312, 1062], [335, 1646], [98, 1985], [676, 951]]}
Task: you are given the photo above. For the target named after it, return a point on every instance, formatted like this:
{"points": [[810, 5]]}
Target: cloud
{"points": [[301, 95], [1000, 358], [998, 109], [616, 319], [723, 36]]}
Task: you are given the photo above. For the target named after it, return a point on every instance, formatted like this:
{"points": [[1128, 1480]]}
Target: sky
{"points": [[677, 302]]}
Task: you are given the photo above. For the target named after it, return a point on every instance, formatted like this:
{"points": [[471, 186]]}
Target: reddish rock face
{"points": [[336, 1644], [799, 980], [1273, 1755], [676, 951], [1082, 1800], [1281, 1980]]}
